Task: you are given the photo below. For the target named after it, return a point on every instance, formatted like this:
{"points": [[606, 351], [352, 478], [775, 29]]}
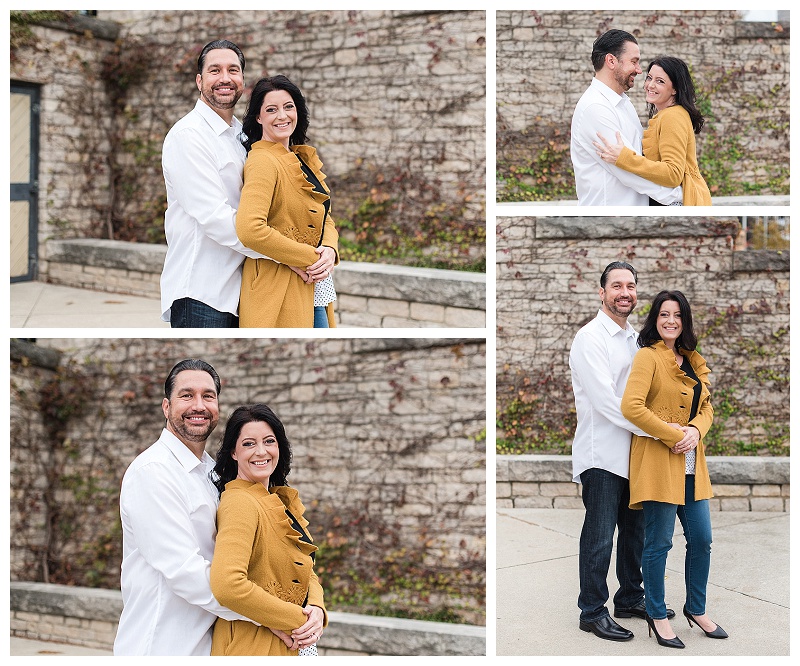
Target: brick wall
{"points": [[548, 273], [387, 433]]}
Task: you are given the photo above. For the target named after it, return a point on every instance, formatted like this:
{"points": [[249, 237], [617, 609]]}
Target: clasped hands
{"points": [[306, 635], [691, 438], [321, 268]]}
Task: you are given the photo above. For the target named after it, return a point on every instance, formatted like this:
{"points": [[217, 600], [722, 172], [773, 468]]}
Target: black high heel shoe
{"points": [[719, 632], [666, 642]]}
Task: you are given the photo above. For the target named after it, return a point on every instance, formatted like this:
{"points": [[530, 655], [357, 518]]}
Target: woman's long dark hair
{"points": [[227, 469], [678, 73], [649, 333], [252, 129]]}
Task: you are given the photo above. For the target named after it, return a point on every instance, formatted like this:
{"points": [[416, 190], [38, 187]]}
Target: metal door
{"points": [[24, 172]]}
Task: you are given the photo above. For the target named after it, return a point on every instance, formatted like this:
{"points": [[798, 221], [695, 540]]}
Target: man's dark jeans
{"points": [[189, 313], [606, 497]]}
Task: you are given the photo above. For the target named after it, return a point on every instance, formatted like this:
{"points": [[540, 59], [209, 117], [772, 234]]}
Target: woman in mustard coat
{"points": [[263, 565], [284, 214], [667, 396], [668, 145]]}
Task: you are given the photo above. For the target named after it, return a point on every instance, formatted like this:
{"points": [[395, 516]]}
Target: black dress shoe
{"points": [[640, 611], [606, 628]]}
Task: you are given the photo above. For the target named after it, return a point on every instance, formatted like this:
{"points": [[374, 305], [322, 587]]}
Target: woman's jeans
{"points": [[321, 317], [606, 497], [659, 520]]}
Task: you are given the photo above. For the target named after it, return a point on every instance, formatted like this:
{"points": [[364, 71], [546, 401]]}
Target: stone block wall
{"points": [[387, 435], [88, 617], [544, 66], [394, 96], [739, 483], [368, 295], [548, 273]]}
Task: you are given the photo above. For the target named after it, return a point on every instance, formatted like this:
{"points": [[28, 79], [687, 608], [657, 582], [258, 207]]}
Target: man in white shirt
{"points": [[605, 108], [203, 159], [168, 507], [600, 361]]}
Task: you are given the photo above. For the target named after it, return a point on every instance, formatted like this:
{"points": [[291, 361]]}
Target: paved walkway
{"points": [[41, 305], [537, 588]]}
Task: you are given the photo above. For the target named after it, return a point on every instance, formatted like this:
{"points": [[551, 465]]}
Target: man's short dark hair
{"points": [[612, 42], [614, 265], [218, 44], [189, 364]]}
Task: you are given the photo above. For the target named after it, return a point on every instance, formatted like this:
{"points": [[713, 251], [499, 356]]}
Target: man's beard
{"points": [[192, 433], [214, 101], [626, 82], [612, 306]]}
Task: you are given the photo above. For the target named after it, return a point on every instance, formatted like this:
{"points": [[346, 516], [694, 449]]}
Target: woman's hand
{"points": [[609, 152], [303, 275], [322, 268], [311, 631], [291, 643], [690, 441]]}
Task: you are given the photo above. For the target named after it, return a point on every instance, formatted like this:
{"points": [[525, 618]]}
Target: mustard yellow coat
{"points": [[659, 392], [281, 216], [670, 156], [261, 569]]}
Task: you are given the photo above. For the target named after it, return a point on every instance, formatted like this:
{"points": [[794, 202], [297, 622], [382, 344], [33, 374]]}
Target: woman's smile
{"points": [[256, 452], [278, 117]]}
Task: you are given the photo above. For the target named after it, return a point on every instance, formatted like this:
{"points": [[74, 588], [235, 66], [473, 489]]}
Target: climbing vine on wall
{"points": [[77, 426], [749, 361]]}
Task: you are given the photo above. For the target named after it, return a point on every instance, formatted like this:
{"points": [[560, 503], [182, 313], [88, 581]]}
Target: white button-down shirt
{"points": [[168, 507], [600, 360], [203, 159], [598, 183]]}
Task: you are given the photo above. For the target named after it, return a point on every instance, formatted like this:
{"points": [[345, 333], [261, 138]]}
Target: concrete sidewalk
{"points": [[42, 305], [537, 588]]}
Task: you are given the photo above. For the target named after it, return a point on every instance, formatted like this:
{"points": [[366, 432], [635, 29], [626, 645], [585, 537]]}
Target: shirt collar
{"points": [[612, 327], [186, 458], [213, 119], [612, 96]]}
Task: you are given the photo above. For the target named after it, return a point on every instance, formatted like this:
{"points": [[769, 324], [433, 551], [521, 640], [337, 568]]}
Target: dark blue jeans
{"points": [[659, 525], [321, 317], [189, 313], [606, 497]]}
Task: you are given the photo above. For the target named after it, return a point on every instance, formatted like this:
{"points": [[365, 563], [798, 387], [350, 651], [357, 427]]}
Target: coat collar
{"points": [[275, 502], [288, 160], [668, 358]]}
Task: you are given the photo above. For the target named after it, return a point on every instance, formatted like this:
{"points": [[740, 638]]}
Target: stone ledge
{"points": [[80, 602], [755, 261], [460, 289], [722, 469], [551, 228], [346, 631], [121, 255]]}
